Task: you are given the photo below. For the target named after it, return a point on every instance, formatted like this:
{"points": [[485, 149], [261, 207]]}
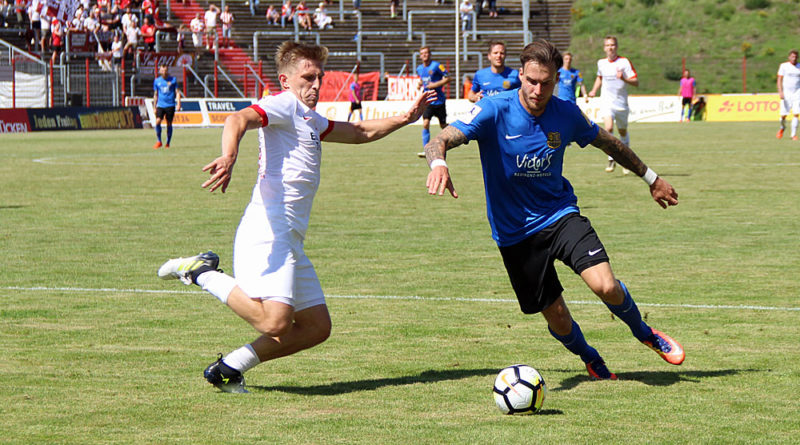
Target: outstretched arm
{"points": [[439, 177], [661, 190], [373, 129], [221, 169]]}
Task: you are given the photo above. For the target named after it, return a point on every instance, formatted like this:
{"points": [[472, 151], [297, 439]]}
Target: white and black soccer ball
{"points": [[519, 389]]}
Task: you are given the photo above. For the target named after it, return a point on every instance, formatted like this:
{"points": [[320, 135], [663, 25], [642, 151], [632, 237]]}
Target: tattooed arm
{"points": [[661, 190], [439, 177]]}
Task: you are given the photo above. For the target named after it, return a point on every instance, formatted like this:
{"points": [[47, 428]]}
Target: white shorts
{"points": [[790, 103], [618, 116], [269, 262]]}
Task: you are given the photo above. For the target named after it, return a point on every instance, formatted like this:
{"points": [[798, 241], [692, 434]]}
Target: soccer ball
{"points": [[519, 389]]}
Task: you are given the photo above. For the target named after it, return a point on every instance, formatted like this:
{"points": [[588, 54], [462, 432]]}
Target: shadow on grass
{"points": [[11, 206], [372, 384], [654, 378]]}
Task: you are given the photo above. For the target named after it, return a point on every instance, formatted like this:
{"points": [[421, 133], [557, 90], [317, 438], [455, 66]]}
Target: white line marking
{"points": [[397, 297]]}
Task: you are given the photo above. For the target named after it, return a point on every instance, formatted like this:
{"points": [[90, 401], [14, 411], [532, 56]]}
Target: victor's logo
{"points": [[535, 163]]}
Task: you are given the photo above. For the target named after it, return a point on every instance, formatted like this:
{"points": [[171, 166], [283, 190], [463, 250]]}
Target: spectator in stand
{"points": [[77, 21], [4, 11], [466, 10], [148, 31], [492, 8], [197, 27], [116, 50], [287, 13], [321, 17], [227, 27], [273, 16], [357, 6], [392, 8], [36, 24], [132, 40], [211, 25], [92, 22], [43, 43], [181, 38], [303, 18], [148, 10], [129, 19], [56, 38], [111, 18], [20, 7]]}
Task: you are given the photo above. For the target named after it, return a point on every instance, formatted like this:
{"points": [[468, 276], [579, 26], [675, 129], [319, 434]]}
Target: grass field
{"points": [[95, 349]]}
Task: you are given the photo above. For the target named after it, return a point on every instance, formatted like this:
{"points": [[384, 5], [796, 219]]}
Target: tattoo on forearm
{"points": [[620, 152], [449, 137]]}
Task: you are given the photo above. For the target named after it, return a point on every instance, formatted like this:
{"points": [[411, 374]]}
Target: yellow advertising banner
{"points": [[742, 107]]}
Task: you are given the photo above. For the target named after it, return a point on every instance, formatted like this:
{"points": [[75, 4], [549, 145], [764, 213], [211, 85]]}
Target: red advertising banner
{"points": [[14, 120], [338, 83]]}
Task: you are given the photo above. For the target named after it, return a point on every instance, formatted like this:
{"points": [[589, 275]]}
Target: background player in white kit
{"points": [[614, 74], [276, 289], [789, 92]]}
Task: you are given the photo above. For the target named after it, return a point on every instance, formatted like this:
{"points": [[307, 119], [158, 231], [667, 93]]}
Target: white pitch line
{"points": [[397, 297]]}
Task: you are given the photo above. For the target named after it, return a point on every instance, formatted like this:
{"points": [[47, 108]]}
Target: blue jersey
{"points": [[434, 72], [568, 81], [492, 83], [166, 89], [522, 157]]}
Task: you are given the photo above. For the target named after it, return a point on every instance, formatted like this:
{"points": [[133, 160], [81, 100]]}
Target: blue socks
{"points": [[158, 132], [576, 343], [629, 313], [426, 136], [169, 134]]}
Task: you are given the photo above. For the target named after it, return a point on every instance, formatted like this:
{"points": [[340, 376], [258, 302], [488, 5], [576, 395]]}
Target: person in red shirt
{"points": [[149, 34], [303, 18], [56, 37]]}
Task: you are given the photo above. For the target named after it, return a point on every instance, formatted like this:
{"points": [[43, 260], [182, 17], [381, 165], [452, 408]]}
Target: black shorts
{"points": [[355, 106], [530, 263], [168, 112], [686, 101], [440, 111]]}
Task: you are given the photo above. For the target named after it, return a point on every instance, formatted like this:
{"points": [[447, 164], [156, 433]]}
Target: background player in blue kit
{"points": [[432, 76], [496, 78], [167, 100], [532, 209], [569, 80]]}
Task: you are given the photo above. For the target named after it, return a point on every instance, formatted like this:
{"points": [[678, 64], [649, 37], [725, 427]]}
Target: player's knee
{"points": [[274, 327], [607, 290]]}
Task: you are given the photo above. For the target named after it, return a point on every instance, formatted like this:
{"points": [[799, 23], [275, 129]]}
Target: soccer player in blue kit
{"points": [[432, 76], [532, 208], [496, 78], [167, 100], [569, 80]]}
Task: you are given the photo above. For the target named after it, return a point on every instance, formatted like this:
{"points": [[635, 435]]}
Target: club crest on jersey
{"points": [[554, 139], [506, 84]]}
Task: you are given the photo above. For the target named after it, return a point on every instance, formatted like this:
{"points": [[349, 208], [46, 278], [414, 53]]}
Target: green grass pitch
{"points": [[95, 349]]}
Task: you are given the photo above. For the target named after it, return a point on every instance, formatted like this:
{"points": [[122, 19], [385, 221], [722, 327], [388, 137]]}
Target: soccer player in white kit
{"points": [[614, 74], [275, 288], [789, 92]]}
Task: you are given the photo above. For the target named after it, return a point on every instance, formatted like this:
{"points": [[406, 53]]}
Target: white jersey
{"points": [[791, 78], [289, 159], [614, 91]]}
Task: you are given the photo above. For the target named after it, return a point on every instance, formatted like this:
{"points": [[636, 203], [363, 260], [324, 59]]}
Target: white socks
{"points": [[242, 359], [794, 127], [217, 284]]}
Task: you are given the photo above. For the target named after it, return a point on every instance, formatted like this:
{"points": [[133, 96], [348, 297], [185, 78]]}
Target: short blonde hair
{"points": [[290, 52]]}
